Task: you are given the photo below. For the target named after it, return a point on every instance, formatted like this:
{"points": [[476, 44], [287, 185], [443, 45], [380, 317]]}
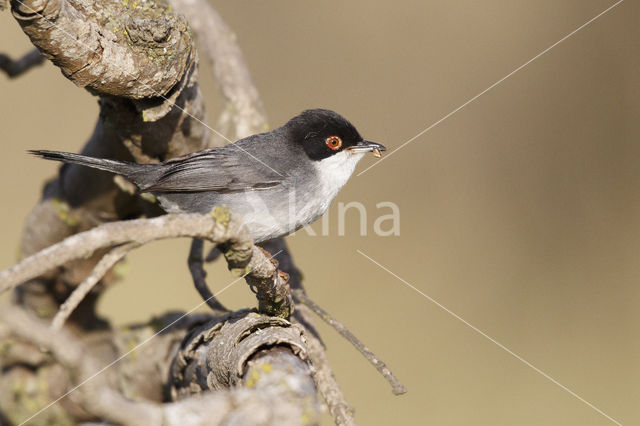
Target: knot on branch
{"points": [[272, 287], [260, 269], [229, 230], [35, 9], [215, 355], [152, 33]]}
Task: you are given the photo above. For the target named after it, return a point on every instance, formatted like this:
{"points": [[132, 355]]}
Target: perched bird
{"points": [[278, 181]]}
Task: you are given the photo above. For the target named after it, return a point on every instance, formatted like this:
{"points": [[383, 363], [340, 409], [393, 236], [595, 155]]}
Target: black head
{"points": [[323, 133]]}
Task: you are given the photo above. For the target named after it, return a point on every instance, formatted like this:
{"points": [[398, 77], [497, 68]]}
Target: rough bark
{"points": [[276, 386], [147, 116], [133, 50], [255, 265], [139, 58]]}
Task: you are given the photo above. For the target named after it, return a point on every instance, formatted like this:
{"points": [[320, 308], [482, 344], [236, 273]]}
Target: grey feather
{"points": [[276, 181], [222, 170], [140, 174]]}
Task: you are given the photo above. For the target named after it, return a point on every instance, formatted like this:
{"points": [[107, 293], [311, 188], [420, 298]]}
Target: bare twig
{"points": [[323, 375], [219, 227], [218, 42], [286, 264], [103, 266], [325, 381], [396, 387], [17, 67], [141, 231]]}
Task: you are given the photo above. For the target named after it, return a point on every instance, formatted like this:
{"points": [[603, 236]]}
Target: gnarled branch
{"points": [[140, 60], [219, 227], [263, 393], [137, 50]]}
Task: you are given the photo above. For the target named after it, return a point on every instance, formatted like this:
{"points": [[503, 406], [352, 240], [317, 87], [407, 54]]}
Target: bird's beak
{"points": [[367, 146]]}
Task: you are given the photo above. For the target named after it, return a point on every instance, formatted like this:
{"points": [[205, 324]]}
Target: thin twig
{"points": [[110, 234], [103, 266], [396, 387], [328, 387], [273, 293], [219, 45]]}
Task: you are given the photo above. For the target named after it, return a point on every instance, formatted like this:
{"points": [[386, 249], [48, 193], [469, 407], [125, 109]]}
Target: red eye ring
{"points": [[334, 142]]}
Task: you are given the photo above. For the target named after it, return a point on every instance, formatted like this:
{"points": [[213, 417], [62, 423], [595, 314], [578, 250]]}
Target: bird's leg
{"points": [[198, 274], [16, 67], [213, 255]]}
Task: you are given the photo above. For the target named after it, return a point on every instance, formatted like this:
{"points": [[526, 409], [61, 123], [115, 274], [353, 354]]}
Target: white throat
{"points": [[336, 170], [266, 219]]}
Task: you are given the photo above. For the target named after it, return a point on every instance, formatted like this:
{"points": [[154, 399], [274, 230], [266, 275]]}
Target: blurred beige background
{"points": [[519, 213]]}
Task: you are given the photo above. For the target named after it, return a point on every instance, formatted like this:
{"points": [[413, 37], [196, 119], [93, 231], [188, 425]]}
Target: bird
{"points": [[276, 181]]}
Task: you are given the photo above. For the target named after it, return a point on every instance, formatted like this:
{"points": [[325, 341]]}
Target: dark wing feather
{"points": [[222, 170]]}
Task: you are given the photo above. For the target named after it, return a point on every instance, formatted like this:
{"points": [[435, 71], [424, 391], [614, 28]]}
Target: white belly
{"points": [[281, 210]]}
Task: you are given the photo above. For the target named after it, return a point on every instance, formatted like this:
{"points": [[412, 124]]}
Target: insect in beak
{"points": [[368, 146]]}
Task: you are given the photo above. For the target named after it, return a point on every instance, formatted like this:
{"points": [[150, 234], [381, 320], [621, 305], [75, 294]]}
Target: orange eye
{"points": [[334, 142]]}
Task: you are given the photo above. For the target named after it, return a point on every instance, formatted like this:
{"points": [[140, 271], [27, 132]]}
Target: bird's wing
{"points": [[222, 170]]}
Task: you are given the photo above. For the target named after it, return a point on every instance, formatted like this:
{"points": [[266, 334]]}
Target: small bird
{"points": [[278, 181]]}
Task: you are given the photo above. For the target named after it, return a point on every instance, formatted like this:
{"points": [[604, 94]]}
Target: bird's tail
{"points": [[140, 174]]}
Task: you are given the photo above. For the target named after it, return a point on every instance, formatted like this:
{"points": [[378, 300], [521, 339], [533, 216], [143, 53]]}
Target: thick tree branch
{"points": [[129, 127], [276, 386], [98, 397], [214, 356], [136, 50], [150, 116]]}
